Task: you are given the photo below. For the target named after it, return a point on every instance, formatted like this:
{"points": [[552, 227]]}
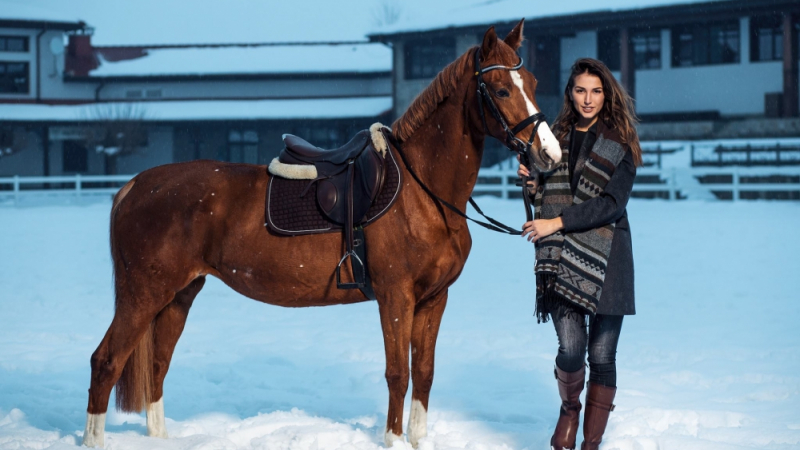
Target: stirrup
{"points": [[357, 284]]}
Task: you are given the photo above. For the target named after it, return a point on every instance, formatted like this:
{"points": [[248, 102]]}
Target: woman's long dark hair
{"points": [[617, 111]]}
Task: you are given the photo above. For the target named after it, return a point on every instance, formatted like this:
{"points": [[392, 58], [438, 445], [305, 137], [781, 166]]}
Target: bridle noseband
{"points": [[513, 142]]}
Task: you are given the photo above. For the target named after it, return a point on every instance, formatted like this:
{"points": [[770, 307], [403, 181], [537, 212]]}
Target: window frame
{"points": [[649, 35], [248, 140], [425, 58], [4, 75], [773, 23], [4, 43], [700, 47]]}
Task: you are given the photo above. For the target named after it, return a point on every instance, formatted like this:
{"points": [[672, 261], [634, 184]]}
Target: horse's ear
{"points": [[515, 38], [489, 42]]}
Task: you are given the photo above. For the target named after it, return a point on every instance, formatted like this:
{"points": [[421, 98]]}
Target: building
{"points": [[697, 69], [68, 107]]}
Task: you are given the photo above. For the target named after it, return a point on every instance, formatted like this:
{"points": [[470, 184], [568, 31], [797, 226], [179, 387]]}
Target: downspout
{"points": [[39, 66], [97, 91]]}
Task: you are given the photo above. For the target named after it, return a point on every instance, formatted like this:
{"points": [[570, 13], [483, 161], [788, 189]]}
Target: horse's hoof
{"points": [[390, 438]]}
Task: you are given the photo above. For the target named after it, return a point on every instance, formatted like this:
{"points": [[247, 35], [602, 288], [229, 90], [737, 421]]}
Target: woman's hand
{"points": [[540, 228]]}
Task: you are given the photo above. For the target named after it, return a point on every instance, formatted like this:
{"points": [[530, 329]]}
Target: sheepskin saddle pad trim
{"points": [[293, 206]]}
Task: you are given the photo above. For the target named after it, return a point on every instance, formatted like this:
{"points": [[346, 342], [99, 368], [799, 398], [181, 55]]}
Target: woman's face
{"points": [[587, 96]]}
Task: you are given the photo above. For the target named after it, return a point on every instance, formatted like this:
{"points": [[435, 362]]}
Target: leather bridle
{"points": [[513, 142]]}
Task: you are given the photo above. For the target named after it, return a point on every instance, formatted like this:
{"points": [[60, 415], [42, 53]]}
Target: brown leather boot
{"points": [[599, 404], [570, 385]]}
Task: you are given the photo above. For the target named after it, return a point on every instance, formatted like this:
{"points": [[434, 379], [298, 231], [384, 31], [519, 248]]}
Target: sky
{"points": [[140, 22]]}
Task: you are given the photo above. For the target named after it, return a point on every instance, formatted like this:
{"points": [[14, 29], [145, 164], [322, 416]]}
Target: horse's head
{"points": [[507, 101]]}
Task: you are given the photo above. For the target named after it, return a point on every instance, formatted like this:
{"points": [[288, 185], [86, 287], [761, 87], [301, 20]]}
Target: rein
{"points": [[494, 225]]}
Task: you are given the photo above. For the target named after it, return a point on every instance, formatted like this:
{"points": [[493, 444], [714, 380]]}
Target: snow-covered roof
{"points": [[250, 60], [155, 22], [201, 110], [30, 11], [458, 14]]}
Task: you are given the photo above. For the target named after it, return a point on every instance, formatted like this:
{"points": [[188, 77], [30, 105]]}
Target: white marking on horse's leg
{"points": [[95, 427], [546, 137], [417, 423], [156, 425], [390, 438]]}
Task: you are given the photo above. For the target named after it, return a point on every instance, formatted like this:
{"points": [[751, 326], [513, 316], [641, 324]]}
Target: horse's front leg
{"points": [[427, 318], [397, 315]]}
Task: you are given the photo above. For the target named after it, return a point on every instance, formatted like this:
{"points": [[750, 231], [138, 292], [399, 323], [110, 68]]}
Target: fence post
{"points": [[504, 186], [673, 182], [78, 185], [16, 189], [735, 180]]}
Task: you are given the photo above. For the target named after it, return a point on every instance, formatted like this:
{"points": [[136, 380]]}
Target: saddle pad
{"points": [[290, 214]]}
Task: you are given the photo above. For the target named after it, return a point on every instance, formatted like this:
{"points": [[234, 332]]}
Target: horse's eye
{"points": [[502, 93]]}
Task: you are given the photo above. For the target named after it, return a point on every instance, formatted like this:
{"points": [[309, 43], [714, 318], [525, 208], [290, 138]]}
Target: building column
{"points": [[627, 64], [790, 72]]}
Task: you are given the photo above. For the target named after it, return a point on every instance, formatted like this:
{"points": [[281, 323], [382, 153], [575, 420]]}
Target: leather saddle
{"points": [[345, 189], [348, 178]]}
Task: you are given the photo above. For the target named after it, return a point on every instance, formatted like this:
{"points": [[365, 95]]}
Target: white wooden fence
{"points": [[669, 182], [17, 187]]}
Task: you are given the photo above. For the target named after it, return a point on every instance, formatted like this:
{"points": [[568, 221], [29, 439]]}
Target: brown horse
{"points": [[173, 225]]}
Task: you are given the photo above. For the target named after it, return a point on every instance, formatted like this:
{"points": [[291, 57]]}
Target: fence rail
{"points": [[670, 183], [80, 185]]}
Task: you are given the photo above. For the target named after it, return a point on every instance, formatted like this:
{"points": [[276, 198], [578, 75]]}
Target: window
{"points": [[608, 48], [424, 58], [704, 44], [766, 38], [14, 78], [646, 49], [243, 146], [13, 44], [76, 157]]}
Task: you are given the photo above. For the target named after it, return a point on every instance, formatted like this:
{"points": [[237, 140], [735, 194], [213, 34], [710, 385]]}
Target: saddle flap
{"points": [[370, 169]]}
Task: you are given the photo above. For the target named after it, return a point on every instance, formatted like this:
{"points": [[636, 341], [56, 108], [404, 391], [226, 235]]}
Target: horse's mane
{"points": [[427, 101]]}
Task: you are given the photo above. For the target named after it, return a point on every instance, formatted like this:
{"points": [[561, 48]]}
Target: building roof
{"points": [[156, 22], [457, 15], [211, 110], [19, 15], [265, 59]]}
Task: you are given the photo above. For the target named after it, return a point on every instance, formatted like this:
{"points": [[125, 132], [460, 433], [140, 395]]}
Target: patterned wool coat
{"points": [[617, 297]]}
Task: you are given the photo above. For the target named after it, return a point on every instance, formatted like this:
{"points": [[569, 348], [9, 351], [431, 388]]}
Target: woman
{"points": [[584, 261]]}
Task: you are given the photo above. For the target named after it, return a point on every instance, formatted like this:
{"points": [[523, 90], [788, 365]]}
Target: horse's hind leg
{"points": [[167, 329], [427, 318], [126, 346]]}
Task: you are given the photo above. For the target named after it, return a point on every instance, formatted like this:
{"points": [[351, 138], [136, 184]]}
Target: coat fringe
{"points": [[548, 301]]}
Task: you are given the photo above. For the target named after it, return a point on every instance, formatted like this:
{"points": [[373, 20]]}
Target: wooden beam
{"points": [[627, 63], [790, 71]]}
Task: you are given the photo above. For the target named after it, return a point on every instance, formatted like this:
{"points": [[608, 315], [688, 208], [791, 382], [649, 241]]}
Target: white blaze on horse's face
{"points": [[549, 142]]}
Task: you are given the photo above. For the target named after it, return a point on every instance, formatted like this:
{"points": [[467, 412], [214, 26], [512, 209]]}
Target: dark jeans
{"points": [[601, 340]]}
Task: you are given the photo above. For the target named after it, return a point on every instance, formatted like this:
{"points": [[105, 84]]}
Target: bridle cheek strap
{"points": [[513, 142]]}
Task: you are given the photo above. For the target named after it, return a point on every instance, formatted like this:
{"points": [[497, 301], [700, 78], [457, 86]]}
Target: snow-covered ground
{"points": [[711, 360]]}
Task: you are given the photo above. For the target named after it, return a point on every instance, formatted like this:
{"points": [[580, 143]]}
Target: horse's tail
{"points": [[134, 388]]}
